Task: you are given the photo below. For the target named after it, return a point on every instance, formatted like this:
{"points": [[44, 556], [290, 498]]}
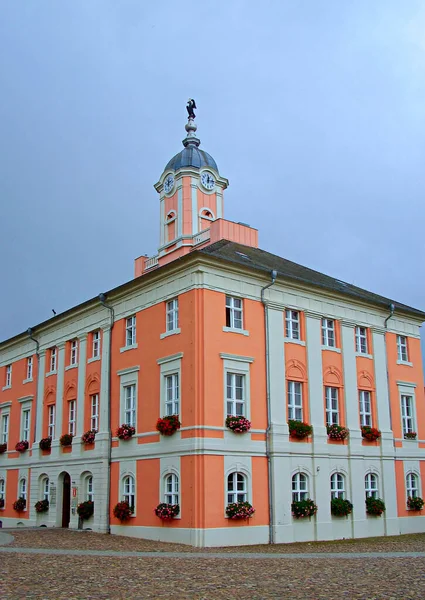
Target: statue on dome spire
{"points": [[191, 104]]}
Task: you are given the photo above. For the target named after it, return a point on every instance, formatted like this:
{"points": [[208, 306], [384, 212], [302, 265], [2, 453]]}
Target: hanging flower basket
{"points": [[89, 436], [415, 503], [411, 435], [45, 443], [239, 510], [1, 502], [3, 448], [86, 509], [168, 425], [42, 506], [20, 504], [371, 434], [238, 424], [166, 512], [375, 506], [337, 432], [299, 429], [125, 432], [66, 439], [303, 508], [341, 507], [123, 511], [22, 446]]}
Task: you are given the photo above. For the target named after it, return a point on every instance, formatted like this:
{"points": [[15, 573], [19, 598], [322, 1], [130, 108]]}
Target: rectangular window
{"points": [[295, 401], [95, 344], [4, 428], [51, 421], [53, 357], [172, 315], [26, 424], [234, 312], [292, 324], [8, 381], [130, 405], [235, 394], [328, 332], [90, 490], [71, 419], [74, 353], [130, 331], [29, 367], [407, 414], [94, 419], [361, 340], [332, 412], [402, 348], [365, 409], [172, 394]]}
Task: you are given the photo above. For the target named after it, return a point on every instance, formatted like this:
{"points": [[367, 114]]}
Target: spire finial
{"points": [[191, 139]]}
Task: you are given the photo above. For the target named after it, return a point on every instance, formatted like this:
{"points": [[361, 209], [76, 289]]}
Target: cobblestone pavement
{"points": [[88, 577]]}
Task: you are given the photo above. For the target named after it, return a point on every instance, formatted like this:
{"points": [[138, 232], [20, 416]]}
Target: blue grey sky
{"points": [[314, 110]]}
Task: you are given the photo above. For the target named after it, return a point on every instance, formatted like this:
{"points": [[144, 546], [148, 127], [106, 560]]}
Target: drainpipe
{"points": [[392, 310], [273, 275], [30, 332], [102, 299]]}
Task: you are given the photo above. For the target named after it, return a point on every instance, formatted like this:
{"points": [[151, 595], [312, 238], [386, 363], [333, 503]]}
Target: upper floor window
{"points": [[407, 414], [234, 313], [53, 359], [292, 324], [235, 395], [299, 487], [29, 367], [8, 380], [51, 421], [337, 486], [371, 485], [365, 409], [173, 315], [172, 392], [295, 401], [328, 332], [4, 428], [361, 340], [332, 412], [402, 353], [26, 424], [130, 405], [412, 485], [237, 489], [171, 492], [73, 359], [72, 417], [130, 331], [129, 491], [94, 417], [95, 344]]}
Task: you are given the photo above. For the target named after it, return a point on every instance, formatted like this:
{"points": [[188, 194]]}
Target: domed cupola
{"points": [[191, 156]]}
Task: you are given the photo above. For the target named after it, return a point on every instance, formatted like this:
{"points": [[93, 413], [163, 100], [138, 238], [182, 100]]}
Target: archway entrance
{"points": [[66, 500]]}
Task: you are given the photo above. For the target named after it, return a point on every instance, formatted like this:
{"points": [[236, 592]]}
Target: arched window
{"points": [[129, 490], [89, 488], [237, 488], [23, 488], [299, 487], [171, 491], [45, 488], [2, 493], [412, 485], [337, 486], [371, 485]]}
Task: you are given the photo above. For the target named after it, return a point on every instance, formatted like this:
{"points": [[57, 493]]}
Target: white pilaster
{"points": [[40, 395], [194, 190], [162, 220], [315, 376], [104, 382], [219, 196], [82, 361], [180, 215], [350, 379], [277, 367], [59, 390], [381, 380]]}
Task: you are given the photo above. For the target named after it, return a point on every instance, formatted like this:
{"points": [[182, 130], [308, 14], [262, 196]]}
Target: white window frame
{"points": [[171, 489], [332, 398], [94, 411], [130, 331], [130, 404], [337, 486], [407, 401], [235, 406], [3, 490], [51, 420], [170, 365], [412, 485], [234, 313], [365, 408], [236, 487], [292, 324], [45, 489], [73, 354], [95, 353], [237, 365], [361, 340], [23, 490], [172, 315], [128, 377], [299, 486], [402, 349], [53, 359], [26, 423], [172, 394], [371, 483], [30, 366], [5, 419], [129, 491], [294, 393], [72, 416], [328, 333], [8, 379], [89, 488]]}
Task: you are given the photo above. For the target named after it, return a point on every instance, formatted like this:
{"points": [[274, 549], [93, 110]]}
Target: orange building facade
{"points": [[209, 327]]}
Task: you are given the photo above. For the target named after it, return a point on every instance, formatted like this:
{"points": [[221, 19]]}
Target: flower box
{"points": [[239, 510], [85, 510], [42, 506], [3, 448], [66, 439], [299, 429], [337, 432], [20, 504], [22, 446], [123, 511], [89, 436], [168, 425], [125, 432], [166, 512], [303, 508], [411, 435], [341, 507], [371, 434], [45, 443], [238, 424], [375, 506], [415, 503]]}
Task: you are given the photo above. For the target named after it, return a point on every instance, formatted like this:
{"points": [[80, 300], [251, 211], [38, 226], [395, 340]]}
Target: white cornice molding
{"points": [[225, 356], [26, 399], [129, 370], [171, 357]]}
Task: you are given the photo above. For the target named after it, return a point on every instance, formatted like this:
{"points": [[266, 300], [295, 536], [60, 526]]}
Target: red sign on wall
{"points": [[74, 492]]}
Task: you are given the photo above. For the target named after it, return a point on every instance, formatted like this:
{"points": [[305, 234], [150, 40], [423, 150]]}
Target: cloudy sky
{"points": [[313, 109]]}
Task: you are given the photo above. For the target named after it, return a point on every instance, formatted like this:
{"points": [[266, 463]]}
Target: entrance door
{"points": [[66, 502]]}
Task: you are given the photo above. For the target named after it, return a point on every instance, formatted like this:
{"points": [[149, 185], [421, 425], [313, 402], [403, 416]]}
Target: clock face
{"points": [[168, 184], [208, 180]]}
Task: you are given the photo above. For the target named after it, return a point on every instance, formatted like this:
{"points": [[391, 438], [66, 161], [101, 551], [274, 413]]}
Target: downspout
{"points": [[273, 275], [30, 332], [102, 299], [392, 310]]}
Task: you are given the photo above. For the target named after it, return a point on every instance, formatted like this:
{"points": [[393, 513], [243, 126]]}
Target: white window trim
{"points": [[25, 409], [418, 480], [374, 489], [358, 338], [300, 383], [96, 415], [93, 345], [240, 330], [401, 361], [8, 378], [122, 490], [128, 377], [53, 425], [240, 366], [134, 337], [174, 311], [243, 466], [3, 478], [74, 421], [5, 411], [324, 332], [291, 341], [86, 488], [235, 492], [289, 321], [298, 490], [406, 388], [328, 406], [28, 379], [169, 366], [363, 412], [20, 479], [168, 333], [336, 492]]}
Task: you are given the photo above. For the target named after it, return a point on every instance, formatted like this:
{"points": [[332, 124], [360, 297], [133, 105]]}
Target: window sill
{"points": [[6, 387], [406, 363], [51, 373], [132, 347], [293, 341], [69, 367], [93, 359], [364, 355], [233, 330], [28, 380], [168, 333], [332, 349]]}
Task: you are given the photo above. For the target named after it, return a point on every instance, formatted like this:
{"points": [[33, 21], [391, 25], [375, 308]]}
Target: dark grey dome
{"points": [[191, 156]]}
